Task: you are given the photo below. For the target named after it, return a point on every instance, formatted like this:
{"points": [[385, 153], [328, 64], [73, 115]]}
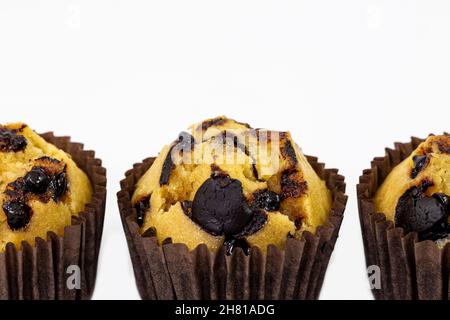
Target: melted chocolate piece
{"points": [[167, 168], [10, 141], [267, 200], [231, 243], [47, 179], [291, 185], [420, 162], [37, 181], [219, 206], [142, 207], [58, 186], [428, 216], [184, 142], [18, 214]]}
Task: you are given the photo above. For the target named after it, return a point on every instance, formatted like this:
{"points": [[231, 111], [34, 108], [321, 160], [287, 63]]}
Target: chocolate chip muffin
{"points": [[41, 187], [224, 183], [404, 212], [416, 193]]}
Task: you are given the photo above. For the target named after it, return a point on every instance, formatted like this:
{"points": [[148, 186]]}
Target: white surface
{"points": [[348, 78]]}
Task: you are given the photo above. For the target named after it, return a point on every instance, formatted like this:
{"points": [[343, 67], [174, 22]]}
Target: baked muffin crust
{"points": [[225, 183]]}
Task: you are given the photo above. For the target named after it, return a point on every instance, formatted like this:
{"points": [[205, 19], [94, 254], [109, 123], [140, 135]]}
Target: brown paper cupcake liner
{"points": [[410, 270], [170, 272], [41, 272]]}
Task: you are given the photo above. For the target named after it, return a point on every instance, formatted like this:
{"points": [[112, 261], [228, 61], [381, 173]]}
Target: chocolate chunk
{"points": [[420, 162], [49, 178], [231, 243], [58, 186], [219, 206], [37, 181], [267, 200], [428, 216], [292, 186], [167, 168], [18, 214], [10, 141], [142, 207]]}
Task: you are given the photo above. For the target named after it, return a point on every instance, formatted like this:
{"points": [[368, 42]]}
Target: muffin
{"points": [[410, 191], [230, 190], [44, 195]]}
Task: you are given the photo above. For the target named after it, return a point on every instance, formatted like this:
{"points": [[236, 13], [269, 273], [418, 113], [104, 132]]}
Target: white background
{"points": [[347, 78]]}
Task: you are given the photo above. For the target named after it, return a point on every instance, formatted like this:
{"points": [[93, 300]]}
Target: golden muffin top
{"points": [[415, 195], [41, 187], [226, 183]]}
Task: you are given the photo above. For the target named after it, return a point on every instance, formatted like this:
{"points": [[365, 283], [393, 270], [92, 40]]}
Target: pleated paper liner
{"points": [[170, 272], [41, 272], [410, 270]]}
